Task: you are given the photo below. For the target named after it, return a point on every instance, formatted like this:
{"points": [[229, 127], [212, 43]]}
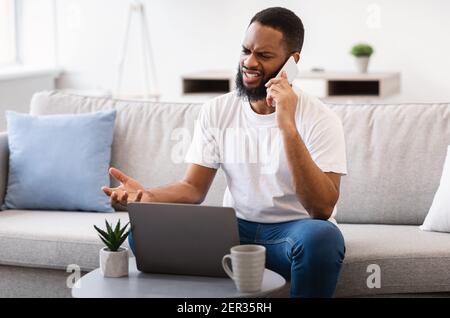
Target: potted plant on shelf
{"points": [[113, 257], [362, 53]]}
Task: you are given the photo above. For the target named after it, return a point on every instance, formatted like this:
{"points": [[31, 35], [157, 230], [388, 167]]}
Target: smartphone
{"points": [[291, 69]]}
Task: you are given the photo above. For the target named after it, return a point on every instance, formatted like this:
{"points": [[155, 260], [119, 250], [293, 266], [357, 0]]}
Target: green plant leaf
{"points": [[117, 228], [113, 240], [108, 245], [362, 49], [116, 234], [103, 233], [123, 230], [123, 238], [108, 227]]}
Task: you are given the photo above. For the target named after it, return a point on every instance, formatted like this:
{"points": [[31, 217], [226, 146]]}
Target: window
{"points": [[7, 32]]}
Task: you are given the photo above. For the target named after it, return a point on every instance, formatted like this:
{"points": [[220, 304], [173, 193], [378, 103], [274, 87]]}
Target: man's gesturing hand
{"points": [[129, 189]]}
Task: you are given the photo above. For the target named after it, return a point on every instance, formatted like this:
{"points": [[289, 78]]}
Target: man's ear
{"points": [[296, 57]]}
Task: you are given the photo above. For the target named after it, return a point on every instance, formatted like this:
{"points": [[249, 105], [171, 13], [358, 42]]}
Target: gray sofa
{"points": [[395, 158]]}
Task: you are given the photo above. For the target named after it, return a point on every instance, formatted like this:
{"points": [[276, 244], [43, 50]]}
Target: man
{"points": [[285, 198]]}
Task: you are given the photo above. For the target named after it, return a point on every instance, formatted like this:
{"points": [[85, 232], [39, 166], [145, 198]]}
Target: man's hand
{"points": [[285, 99], [129, 189]]}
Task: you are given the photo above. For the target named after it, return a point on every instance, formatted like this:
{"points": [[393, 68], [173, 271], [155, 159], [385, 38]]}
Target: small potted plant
{"points": [[362, 53], [113, 257]]}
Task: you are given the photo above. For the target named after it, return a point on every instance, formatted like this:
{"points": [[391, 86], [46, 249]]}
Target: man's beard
{"points": [[253, 94]]}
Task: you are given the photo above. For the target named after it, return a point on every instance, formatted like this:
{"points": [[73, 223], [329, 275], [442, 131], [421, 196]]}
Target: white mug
{"points": [[248, 263]]}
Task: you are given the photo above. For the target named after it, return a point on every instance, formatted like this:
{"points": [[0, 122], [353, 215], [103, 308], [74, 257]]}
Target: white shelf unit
{"points": [[342, 86], [329, 86], [214, 82]]}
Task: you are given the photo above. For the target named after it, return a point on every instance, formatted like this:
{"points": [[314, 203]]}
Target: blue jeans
{"points": [[131, 243], [307, 252]]}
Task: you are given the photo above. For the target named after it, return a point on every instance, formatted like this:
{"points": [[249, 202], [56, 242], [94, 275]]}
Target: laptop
{"points": [[183, 239]]}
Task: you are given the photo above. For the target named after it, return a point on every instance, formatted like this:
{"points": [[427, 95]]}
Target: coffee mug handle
{"points": [[226, 267]]}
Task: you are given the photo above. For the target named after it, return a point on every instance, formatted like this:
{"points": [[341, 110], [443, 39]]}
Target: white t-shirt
{"points": [[249, 148]]}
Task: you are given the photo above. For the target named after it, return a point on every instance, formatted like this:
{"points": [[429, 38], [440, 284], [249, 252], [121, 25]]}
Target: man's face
{"points": [[262, 57]]}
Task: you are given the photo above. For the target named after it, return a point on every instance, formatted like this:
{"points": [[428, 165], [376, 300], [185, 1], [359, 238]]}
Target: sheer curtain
{"points": [[7, 32]]}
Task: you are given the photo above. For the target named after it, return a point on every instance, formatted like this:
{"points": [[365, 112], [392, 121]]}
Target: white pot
{"points": [[362, 63], [114, 264]]}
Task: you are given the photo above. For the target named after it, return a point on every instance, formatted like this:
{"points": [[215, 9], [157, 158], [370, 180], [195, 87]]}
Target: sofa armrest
{"points": [[4, 164]]}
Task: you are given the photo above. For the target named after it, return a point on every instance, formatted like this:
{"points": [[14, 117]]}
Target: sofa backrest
{"points": [[147, 136], [395, 156], [395, 153]]}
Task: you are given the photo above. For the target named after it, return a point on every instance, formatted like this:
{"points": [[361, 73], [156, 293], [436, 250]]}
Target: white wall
{"points": [[17, 88], [186, 36], [410, 36], [36, 32], [37, 52]]}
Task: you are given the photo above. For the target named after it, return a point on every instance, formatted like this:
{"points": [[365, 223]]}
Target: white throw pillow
{"points": [[438, 217]]}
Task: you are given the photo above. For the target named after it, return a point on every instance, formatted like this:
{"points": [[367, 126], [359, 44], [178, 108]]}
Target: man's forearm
{"points": [[178, 192], [315, 191]]}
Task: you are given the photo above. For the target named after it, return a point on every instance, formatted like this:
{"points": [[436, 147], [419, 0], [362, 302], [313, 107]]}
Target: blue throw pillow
{"points": [[59, 162]]}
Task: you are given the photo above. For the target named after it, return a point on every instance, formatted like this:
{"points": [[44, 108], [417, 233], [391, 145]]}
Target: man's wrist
{"points": [[148, 196], [289, 130]]}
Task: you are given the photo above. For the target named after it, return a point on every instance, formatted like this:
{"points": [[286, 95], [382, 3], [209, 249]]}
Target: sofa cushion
{"points": [[438, 217], [395, 155], [150, 139], [44, 150], [410, 260], [50, 239]]}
